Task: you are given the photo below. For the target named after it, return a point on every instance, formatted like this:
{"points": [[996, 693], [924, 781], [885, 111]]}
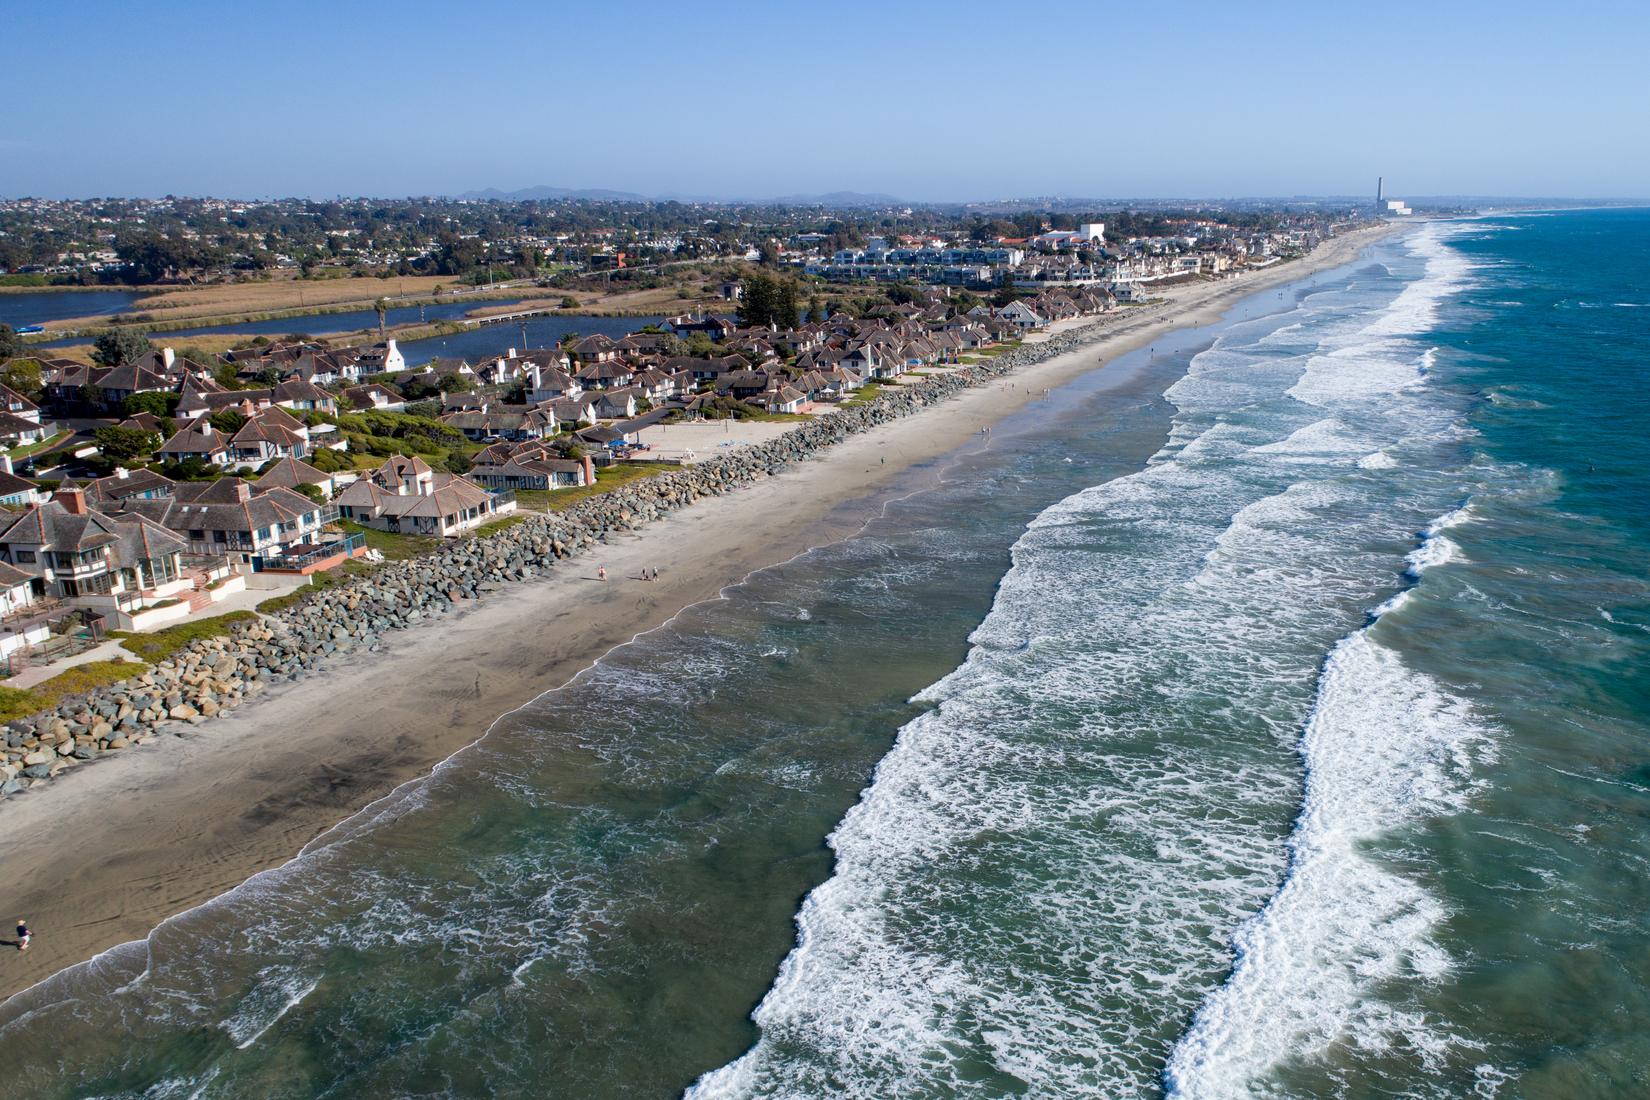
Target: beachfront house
{"points": [[533, 468], [1021, 316], [92, 559], [406, 496], [228, 518]]}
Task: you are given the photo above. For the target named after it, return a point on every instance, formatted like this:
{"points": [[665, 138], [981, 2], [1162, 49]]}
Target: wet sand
{"points": [[101, 855]]}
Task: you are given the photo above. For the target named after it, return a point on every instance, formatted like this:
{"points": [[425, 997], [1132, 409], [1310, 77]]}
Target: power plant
{"points": [[1385, 207]]}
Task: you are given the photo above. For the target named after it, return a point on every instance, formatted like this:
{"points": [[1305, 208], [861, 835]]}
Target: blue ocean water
{"points": [[1310, 760], [1270, 725]]}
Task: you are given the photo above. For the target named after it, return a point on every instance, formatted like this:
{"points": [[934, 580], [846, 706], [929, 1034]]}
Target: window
{"points": [[25, 556]]}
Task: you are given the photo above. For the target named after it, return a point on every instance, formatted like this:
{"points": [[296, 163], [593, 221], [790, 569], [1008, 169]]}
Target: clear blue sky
{"points": [[945, 100]]}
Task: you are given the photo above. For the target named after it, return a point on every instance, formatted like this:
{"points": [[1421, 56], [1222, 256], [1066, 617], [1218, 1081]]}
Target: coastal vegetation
{"points": [[157, 645], [78, 680]]}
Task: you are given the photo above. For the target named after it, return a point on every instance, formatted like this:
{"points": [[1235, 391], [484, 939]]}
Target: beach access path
{"points": [[107, 852]]}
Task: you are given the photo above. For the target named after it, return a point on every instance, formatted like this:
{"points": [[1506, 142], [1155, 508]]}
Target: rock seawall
{"points": [[215, 675]]}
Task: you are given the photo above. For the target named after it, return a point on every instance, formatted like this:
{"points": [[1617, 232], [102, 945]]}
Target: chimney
{"points": [[243, 491], [246, 408], [167, 355], [122, 473], [206, 426], [5, 462], [73, 500]]}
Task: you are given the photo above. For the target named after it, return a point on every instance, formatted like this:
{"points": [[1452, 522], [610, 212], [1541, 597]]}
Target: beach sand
{"points": [[104, 853]]}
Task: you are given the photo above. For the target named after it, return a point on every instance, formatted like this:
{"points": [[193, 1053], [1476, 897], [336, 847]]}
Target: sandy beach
{"points": [[103, 854]]}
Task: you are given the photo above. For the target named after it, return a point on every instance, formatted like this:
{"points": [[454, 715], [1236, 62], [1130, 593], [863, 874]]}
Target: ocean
{"points": [[1268, 724]]}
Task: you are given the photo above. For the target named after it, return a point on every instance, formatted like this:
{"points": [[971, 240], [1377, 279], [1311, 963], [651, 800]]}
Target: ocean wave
{"points": [[1038, 884], [1385, 746], [276, 991]]}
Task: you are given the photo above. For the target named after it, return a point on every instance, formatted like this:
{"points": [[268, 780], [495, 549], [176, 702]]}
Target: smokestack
{"points": [[1379, 184]]}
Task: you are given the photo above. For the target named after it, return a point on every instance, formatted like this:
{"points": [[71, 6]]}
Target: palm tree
{"points": [[383, 307]]}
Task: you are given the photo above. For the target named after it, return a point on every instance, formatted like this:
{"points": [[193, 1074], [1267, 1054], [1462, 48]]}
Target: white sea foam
{"points": [[1436, 548], [1036, 886], [1385, 746], [277, 991]]}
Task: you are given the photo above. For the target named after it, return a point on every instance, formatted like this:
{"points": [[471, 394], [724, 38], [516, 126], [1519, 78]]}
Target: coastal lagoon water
{"points": [[38, 307], [364, 321], [1271, 726], [541, 332]]}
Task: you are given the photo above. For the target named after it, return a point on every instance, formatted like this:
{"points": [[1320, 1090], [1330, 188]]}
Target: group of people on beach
{"points": [[644, 575]]}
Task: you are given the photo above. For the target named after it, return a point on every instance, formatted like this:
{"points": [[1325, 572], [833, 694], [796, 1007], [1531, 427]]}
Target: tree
{"points": [[313, 492], [23, 375], [381, 307], [228, 421], [153, 402], [119, 345], [784, 314], [269, 378], [757, 305], [124, 444], [10, 345]]}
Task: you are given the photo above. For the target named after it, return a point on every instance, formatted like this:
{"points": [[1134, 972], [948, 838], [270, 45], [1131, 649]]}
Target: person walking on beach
{"points": [[601, 573], [23, 934]]}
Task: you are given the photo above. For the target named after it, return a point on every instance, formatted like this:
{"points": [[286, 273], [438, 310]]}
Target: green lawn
{"points": [[990, 352], [20, 703], [393, 545], [28, 449], [503, 523], [157, 645], [608, 478]]}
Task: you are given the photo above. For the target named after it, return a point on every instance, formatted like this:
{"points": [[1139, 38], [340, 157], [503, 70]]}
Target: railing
{"points": [[501, 497], [329, 514], [39, 613], [320, 553]]}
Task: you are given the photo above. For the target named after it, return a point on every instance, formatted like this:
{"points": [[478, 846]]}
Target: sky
{"points": [[927, 101]]}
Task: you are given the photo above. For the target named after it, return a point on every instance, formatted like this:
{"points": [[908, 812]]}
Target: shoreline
{"points": [[113, 850]]}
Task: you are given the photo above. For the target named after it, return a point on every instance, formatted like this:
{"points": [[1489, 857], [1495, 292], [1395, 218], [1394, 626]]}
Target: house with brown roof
{"points": [[530, 466], [117, 564], [373, 396], [196, 439], [405, 495], [269, 433], [124, 483], [290, 473], [17, 491], [227, 518], [17, 405]]}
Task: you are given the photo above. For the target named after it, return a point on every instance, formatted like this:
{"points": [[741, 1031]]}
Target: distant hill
{"points": [[839, 198], [531, 194]]}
